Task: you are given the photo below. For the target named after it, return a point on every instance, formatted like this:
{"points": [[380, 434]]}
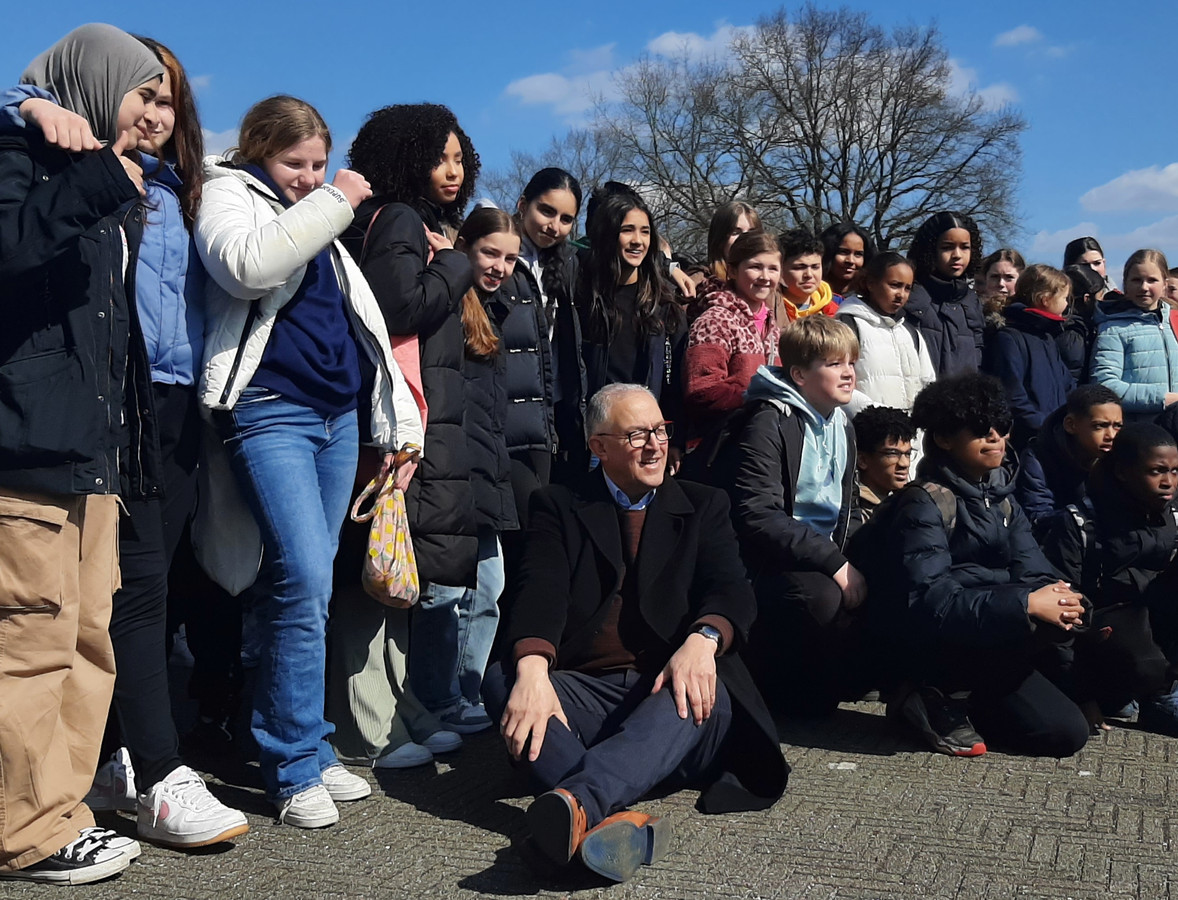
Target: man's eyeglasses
{"points": [[891, 454], [641, 437]]}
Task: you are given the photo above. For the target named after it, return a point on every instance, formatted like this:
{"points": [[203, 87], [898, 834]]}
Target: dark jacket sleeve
{"points": [[770, 536], [1008, 363], [414, 296], [1063, 545], [1033, 493], [719, 585], [975, 318], [938, 604], [540, 607], [1028, 564], [40, 214]]}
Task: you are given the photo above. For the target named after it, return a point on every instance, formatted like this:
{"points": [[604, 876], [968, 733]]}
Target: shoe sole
{"points": [[87, 875], [467, 729], [202, 839], [616, 851], [382, 764], [346, 796], [550, 819], [912, 713], [320, 822]]}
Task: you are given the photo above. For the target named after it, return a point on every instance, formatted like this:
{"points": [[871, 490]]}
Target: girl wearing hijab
{"points": [[66, 240]]}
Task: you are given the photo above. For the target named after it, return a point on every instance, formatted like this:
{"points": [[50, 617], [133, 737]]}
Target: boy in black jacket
{"points": [[789, 466], [963, 598]]}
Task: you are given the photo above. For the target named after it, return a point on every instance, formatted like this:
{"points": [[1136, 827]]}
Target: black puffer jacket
{"points": [[1050, 477], [949, 316], [486, 419], [969, 590], [519, 318], [75, 388], [426, 300], [1127, 546]]}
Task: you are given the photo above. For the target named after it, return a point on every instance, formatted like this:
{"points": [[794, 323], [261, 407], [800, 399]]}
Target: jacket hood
{"points": [[772, 384], [1120, 308], [854, 306], [1033, 321]]}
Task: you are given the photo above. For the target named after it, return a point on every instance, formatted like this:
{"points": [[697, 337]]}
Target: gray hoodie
{"points": [[824, 449]]}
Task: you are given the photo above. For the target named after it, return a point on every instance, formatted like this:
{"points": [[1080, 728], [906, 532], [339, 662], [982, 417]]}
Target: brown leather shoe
{"points": [[623, 842], [558, 824]]}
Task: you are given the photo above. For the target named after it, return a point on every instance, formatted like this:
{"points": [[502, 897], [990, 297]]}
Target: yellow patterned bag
{"points": [[390, 568]]}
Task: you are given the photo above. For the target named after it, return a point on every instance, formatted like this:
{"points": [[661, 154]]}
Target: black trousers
{"points": [[804, 650], [148, 538], [621, 741]]}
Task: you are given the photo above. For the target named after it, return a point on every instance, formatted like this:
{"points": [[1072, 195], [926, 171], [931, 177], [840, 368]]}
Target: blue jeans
{"points": [[296, 468], [453, 629]]}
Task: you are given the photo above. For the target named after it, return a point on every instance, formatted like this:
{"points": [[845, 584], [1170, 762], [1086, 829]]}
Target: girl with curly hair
{"points": [[632, 330], [945, 252], [422, 168]]}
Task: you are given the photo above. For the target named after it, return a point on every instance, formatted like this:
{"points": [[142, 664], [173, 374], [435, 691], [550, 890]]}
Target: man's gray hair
{"points": [[598, 407]]}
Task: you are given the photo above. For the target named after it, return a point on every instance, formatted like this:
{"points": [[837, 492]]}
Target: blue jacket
{"points": [[1049, 477], [1025, 356], [1135, 354], [169, 277]]}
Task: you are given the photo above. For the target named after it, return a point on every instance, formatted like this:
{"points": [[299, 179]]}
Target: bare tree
{"points": [[816, 118]]}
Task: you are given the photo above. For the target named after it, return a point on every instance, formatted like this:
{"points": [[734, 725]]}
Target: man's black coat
{"points": [[688, 566]]}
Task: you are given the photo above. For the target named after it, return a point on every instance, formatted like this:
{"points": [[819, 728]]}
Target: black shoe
{"points": [[943, 720], [90, 857]]}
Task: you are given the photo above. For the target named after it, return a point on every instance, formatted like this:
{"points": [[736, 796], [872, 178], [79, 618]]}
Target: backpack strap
{"points": [[946, 502], [367, 232]]}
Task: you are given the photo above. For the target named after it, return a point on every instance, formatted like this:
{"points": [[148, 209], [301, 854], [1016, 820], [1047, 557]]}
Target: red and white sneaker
{"points": [[180, 812]]}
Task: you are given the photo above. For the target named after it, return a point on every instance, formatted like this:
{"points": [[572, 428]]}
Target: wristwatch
{"points": [[712, 633]]}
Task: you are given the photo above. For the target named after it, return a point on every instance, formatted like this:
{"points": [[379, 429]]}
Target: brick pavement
{"points": [[867, 815]]}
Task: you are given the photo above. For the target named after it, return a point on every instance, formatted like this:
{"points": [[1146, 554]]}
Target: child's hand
{"points": [[61, 128], [1056, 604], [852, 584], [354, 186], [1171, 398]]}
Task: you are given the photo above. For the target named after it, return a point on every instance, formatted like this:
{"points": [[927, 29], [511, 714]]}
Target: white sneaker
{"points": [[129, 847], [114, 784], [343, 785], [404, 757], [312, 808], [443, 741], [180, 812]]}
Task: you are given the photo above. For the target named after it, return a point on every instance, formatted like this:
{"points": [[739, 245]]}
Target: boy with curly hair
{"points": [[962, 598]]}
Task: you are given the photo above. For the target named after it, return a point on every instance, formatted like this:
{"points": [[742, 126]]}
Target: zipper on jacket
{"points": [[245, 333]]}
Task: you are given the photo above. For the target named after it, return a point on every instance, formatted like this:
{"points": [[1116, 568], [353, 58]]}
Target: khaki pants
{"points": [[58, 571]]}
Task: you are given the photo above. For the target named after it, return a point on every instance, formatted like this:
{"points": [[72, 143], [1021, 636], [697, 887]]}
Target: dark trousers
{"points": [[621, 741], [138, 626], [1031, 717], [804, 650], [1127, 665]]}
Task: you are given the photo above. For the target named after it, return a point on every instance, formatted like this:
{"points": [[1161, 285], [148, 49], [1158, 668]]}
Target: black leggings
{"points": [[142, 709]]}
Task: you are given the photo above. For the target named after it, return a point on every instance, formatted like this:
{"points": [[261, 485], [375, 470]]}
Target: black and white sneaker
{"points": [[943, 720], [88, 858]]}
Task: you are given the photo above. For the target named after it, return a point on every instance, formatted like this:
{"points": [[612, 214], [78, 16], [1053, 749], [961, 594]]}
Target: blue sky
{"points": [[1095, 80]]}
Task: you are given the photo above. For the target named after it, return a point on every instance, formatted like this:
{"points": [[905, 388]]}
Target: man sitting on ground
{"points": [[621, 672]]}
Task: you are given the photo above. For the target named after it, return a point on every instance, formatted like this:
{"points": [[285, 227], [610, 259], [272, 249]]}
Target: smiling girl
{"points": [[945, 253], [848, 249], [633, 332], [1135, 353], [735, 335]]}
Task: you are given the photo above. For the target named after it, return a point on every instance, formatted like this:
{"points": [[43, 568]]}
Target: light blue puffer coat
{"points": [[1135, 354]]}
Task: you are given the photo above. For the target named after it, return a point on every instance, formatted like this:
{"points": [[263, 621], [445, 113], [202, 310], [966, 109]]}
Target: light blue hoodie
{"points": [[819, 494]]}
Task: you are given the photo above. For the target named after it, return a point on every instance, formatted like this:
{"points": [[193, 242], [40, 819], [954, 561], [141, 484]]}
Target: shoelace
{"points": [[190, 792], [84, 845]]}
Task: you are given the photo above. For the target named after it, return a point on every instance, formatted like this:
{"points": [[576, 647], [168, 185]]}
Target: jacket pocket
{"points": [[31, 548], [49, 411]]}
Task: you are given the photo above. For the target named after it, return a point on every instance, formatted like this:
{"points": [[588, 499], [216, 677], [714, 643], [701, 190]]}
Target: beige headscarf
{"points": [[90, 70]]}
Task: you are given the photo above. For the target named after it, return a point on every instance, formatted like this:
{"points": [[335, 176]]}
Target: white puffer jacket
{"points": [[893, 363], [256, 252]]}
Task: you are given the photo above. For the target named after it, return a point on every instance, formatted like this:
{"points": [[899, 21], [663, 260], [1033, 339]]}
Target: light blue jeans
{"points": [[296, 468], [452, 631]]}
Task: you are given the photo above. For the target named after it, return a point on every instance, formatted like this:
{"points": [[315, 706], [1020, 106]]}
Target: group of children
{"points": [[294, 334]]}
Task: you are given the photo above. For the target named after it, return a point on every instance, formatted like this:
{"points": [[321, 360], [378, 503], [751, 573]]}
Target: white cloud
{"points": [[1161, 234], [1021, 34], [595, 59], [963, 79], [696, 46], [217, 142], [200, 83], [1154, 189], [570, 97], [1047, 246]]}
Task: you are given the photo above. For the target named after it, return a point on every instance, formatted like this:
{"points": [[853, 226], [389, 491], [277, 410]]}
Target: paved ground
{"points": [[867, 815]]}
